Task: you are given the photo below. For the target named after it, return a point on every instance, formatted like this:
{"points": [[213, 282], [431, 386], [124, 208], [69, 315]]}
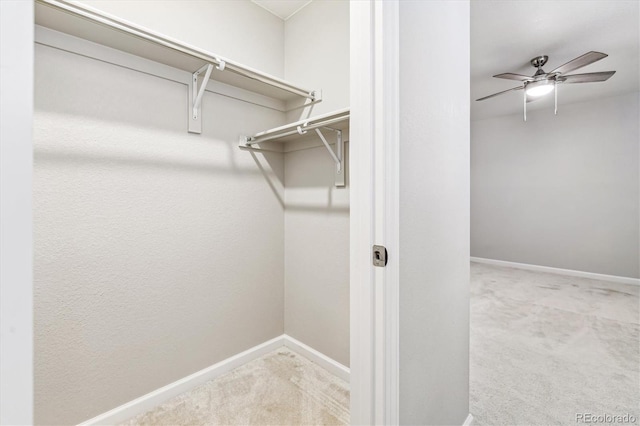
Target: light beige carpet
{"points": [[547, 349], [280, 388]]}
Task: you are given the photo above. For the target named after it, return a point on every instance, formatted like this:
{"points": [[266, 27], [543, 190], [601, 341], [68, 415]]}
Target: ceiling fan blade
{"points": [[500, 93], [512, 76], [591, 77], [579, 62]]}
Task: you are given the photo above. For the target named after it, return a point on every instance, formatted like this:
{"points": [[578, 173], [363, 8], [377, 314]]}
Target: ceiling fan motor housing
{"points": [[540, 77]]}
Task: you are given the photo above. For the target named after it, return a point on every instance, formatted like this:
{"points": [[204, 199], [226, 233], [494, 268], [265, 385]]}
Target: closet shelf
{"points": [[98, 27], [282, 133], [334, 122]]}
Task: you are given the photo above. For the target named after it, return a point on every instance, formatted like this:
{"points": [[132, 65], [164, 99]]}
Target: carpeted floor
{"points": [[545, 348], [280, 388]]}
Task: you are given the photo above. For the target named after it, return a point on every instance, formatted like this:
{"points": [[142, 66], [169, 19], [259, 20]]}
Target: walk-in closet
{"points": [[191, 212], [234, 212]]}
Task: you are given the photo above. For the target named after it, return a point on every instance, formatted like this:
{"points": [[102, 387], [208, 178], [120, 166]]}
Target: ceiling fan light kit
{"points": [[542, 83], [539, 88]]}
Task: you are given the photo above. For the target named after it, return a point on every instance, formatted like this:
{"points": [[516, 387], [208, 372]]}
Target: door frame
{"points": [[374, 210], [16, 247]]}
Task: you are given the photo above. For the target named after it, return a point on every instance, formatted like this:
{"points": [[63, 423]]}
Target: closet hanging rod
{"points": [[299, 127], [303, 129], [92, 15]]}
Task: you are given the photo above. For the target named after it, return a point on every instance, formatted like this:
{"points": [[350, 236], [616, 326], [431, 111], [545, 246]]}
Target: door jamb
{"points": [[374, 211]]}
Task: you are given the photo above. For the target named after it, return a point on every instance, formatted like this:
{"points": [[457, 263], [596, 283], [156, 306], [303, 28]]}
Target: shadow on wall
{"points": [[146, 118], [316, 185], [87, 159]]}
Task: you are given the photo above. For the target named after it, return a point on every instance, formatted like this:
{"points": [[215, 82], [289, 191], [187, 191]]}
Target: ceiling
{"points": [[283, 9], [505, 35]]}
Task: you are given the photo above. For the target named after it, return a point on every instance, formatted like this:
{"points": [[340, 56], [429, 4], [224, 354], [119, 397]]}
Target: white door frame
{"points": [[374, 180], [16, 258]]}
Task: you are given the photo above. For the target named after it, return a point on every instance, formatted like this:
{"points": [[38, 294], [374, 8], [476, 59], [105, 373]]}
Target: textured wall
{"points": [[235, 29], [559, 191], [316, 46], [316, 212], [157, 252], [316, 254], [434, 212]]}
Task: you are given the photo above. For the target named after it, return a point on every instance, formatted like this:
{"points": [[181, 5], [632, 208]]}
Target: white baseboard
{"points": [[334, 367], [468, 421], [158, 396], [559, 271]]}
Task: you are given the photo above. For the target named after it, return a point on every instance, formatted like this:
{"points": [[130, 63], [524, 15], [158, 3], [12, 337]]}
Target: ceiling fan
{"points": [[542, 83]]}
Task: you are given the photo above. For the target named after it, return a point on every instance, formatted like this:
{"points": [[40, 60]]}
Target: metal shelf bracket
{"points": [[318, 124], [337, 155], [196, 92]]}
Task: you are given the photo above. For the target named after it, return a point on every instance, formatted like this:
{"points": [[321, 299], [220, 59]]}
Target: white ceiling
{"points": [[283, 9], [505, 35]]}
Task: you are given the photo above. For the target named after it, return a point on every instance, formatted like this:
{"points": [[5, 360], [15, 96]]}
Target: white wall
{"points": [[237, 30], [316, 212], [16, 251], [559, 191], [157, 252], [434, 212], [316, 254], [317, 53]]}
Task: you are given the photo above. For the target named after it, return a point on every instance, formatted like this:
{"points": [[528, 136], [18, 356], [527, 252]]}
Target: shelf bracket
{"points": [[337, 155], [196, 92]]}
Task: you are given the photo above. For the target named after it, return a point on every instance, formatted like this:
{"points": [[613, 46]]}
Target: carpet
{"points": [[279, 388], [548, 348]]}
